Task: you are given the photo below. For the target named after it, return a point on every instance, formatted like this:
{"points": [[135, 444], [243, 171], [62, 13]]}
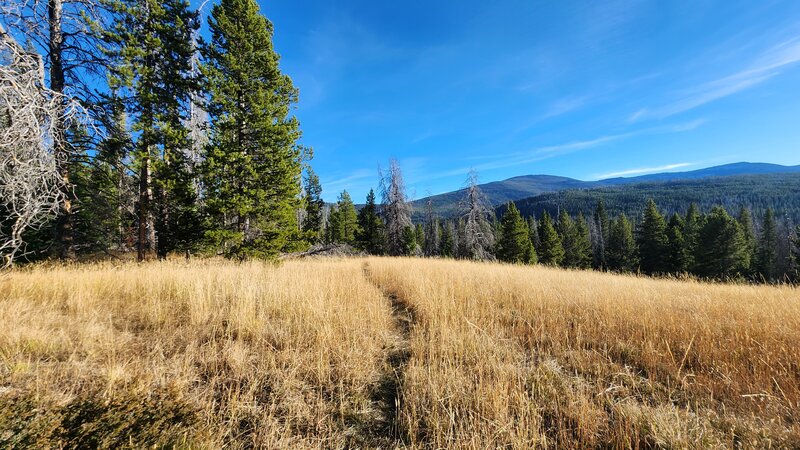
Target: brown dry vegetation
{"points": [[388, 353]]}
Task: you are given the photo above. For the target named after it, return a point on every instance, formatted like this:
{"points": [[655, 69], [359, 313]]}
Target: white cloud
{"points": [[642, 171], [768, 65]]}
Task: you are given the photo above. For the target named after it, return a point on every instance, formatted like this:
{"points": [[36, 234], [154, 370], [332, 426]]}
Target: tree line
{"points": [[712, 245], [185, 144]]}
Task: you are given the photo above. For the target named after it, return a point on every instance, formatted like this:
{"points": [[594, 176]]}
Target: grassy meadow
{"points": [[391, 353]]}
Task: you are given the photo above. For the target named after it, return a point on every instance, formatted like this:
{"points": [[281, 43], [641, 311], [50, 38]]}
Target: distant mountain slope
{"points": [[779, 191], [517, 188]]}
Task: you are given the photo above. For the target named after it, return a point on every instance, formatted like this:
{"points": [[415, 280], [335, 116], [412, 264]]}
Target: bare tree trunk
{"points": [[64, 222], [144, 209]]}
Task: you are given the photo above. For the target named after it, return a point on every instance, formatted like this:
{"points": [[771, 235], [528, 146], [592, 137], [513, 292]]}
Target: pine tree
{"points": [[514, 245], [252, 165], [153, 61], [691, 234], [766, 255], [795, 252], [621, 252], [419, 239], [432, 232], [551, 252], [722, 250], [583, 243], [745, 219], [343, 222], [312, 224], [448, 241], [409, 241], [678, 251], [602, 227], [652, 241], [369, 236], [533, 231]]}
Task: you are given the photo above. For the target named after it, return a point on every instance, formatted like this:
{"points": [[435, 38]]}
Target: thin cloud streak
{"points": [[552, 151], [765, 67], [642, 171]]}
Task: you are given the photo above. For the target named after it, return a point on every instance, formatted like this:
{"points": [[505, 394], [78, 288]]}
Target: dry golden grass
{"points": [[387, 353]]}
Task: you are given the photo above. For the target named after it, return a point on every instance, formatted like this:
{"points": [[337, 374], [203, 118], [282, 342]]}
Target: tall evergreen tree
{"points": [[691, 234], [602, 232], [514, 244], [432, 231], [745, 220], [722, 249], [343, 226], [621, 252], [583, 243], [795, 252], [253, 163], [551, 252], [312, 223], [766, 255], [369, 236], [678, 251], [652, 241], [448, 241], [154, 61]]}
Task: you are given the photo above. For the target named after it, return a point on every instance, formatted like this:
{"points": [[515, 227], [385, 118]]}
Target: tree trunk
{"points": [[64, 221], [144, 209]]}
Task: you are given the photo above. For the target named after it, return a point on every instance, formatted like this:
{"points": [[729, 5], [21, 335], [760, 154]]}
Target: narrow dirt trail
{"points": [[387, 395]]}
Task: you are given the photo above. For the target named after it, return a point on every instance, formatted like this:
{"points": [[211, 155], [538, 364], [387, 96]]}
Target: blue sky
{"points": [[586, 89]]}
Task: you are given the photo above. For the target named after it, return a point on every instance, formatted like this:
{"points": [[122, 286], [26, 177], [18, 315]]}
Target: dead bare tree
{"points": [[478, 233], [31, 185], [65, 32], [395, 209]]}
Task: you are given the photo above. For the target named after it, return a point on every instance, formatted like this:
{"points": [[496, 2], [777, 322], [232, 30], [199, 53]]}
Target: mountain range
{"points": [[526, 186]]}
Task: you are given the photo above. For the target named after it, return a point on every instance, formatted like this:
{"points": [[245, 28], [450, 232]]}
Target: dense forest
{"points": [[778, 191], [709, 242]]}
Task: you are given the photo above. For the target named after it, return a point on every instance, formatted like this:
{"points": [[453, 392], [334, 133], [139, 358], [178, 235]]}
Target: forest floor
{"points": [[391, 353]]}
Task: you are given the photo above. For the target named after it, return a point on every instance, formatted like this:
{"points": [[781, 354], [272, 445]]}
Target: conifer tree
{"points": [[369, 236], [253, 163], [432, 232], [678, 252], [153, 56], [312, 224], [652, 241], [621, 252], [766, 255], [343, 222], [583, 243], [419, 238], [691, 234], [533, 232], [795, 252], [722, 250], [448, 242], [551, 252], [745, 220], [514, 245], [602, 227]]}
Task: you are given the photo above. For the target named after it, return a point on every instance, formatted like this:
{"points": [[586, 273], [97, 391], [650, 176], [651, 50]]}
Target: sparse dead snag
{"points": [[31, 186]]}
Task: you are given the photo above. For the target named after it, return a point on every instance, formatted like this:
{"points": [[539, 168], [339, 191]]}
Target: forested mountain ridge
{"points": [[779, 191], [527, 186]]}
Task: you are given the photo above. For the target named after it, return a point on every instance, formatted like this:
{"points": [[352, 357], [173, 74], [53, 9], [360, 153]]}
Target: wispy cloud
{"points": [[337, 184], [642, 171], [768, 65], [552, 151]]}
